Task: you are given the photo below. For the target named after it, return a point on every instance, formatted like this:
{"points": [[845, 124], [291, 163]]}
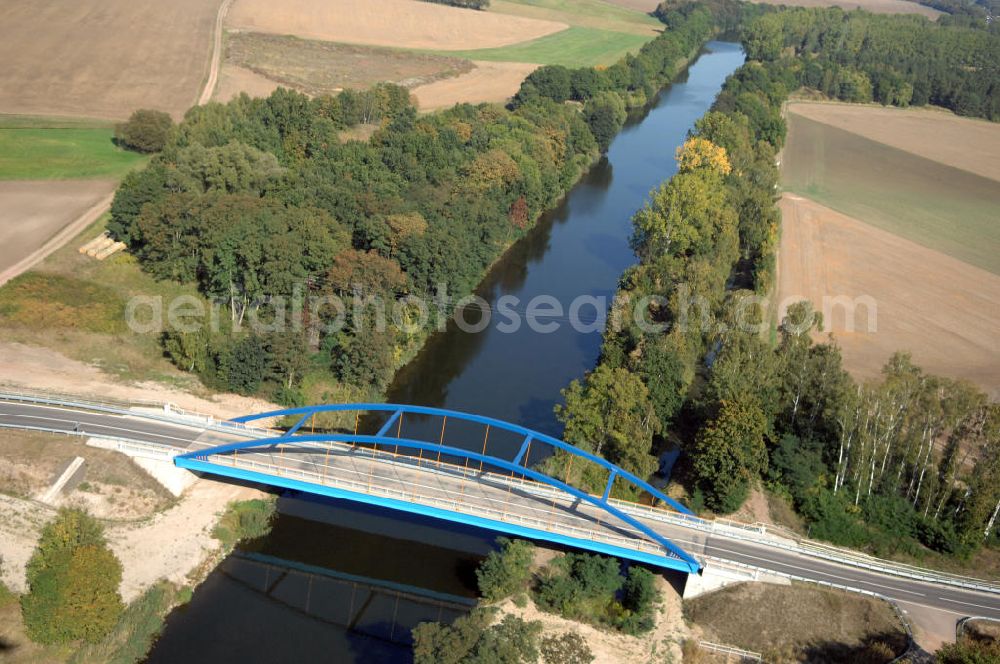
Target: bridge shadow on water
{"points": [[339, 583], [344, 577]]}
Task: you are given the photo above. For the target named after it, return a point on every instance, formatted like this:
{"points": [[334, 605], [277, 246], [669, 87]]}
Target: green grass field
{"points": [[582, 13], [46, 149], [799, 620], [574, 47], [938, 206]]}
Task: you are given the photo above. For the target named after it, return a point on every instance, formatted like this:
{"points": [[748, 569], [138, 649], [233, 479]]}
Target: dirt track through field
{"points": [[396, 23], [103, 58], [216, 59], [33, 214], [946, 312], [37, 218], [966, 143]]}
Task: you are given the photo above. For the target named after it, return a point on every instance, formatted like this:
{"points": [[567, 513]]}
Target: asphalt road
{"points": [[941, 598], [95, 423]]}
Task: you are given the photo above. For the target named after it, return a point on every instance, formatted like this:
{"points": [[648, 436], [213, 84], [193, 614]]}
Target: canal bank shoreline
{"points": [[607, 195]]}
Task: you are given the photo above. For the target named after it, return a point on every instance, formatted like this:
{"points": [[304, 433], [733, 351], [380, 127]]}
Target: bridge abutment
{"points": [[715, 576]]}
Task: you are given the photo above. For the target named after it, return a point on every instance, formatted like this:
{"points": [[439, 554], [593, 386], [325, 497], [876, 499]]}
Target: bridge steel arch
{"points": [[672, 556]]}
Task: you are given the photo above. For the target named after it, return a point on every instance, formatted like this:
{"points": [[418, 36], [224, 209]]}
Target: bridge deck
{"points": [[464, 493]]}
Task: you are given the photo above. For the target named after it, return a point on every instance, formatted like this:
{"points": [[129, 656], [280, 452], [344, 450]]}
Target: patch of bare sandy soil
{"points": [[966, 143], [176, 543], [754, 510], [488, 82], [33, 212], [396, 23], [44, 369], [946, 312], [172, 545], [104, 58]]}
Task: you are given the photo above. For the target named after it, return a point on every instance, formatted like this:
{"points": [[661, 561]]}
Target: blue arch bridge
{"points": [[454, 466]]}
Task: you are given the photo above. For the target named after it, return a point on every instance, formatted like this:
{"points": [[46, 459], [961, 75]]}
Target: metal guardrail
{"points": [[960, 627], [170, 413], [129, 446], [833, 554], [756, 533], [730, 651]]}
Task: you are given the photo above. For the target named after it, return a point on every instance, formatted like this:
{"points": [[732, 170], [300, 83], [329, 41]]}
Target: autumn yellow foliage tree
{"points": [[403, 227], [697, 153], [73, 580]]}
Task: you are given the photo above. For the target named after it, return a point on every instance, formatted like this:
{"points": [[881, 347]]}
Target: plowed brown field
{"points": [[967, 143], [489, 82], [397, 23], [946, 312], [103, 58]]}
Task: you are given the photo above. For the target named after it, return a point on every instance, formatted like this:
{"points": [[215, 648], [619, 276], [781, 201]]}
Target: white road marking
{"points": [[814, 571], [995, 607], [148, 434]]}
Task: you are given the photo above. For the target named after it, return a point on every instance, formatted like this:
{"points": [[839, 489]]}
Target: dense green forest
{"points": [[906, 462], [898, 60], [260, 199], [635, 78]]}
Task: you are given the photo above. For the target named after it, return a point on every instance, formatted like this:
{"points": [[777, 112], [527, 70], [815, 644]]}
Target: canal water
{"points": [[343, 583]]}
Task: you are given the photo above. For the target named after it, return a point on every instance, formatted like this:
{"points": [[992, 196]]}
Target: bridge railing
{"points": [[530, 436], [419, 493], [550, 495], [758, 534]]}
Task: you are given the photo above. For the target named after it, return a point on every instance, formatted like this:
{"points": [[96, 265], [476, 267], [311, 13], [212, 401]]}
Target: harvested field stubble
{"points": [[873, 6], [944, 208], [944, 311], [396, 23], [969, 144], [318, 67], [103, 58]]}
